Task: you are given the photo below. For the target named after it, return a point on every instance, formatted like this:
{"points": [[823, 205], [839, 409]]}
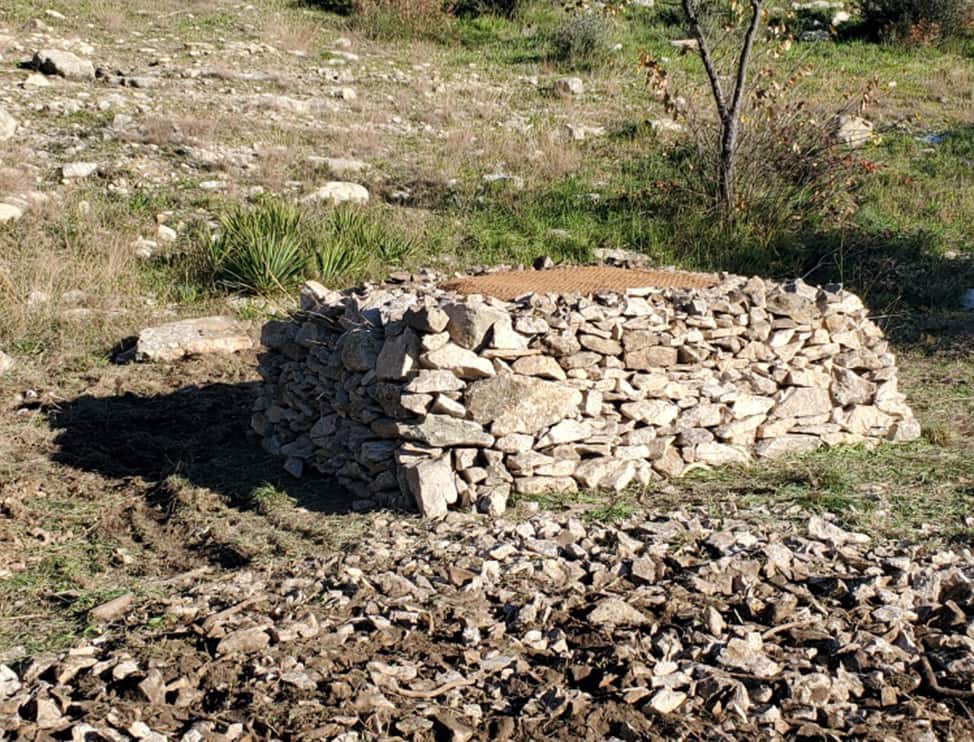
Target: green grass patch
{"points": [[266, 498]]}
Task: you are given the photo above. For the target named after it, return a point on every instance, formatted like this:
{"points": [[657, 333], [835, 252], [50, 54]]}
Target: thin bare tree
{"points": [[729, 102]]}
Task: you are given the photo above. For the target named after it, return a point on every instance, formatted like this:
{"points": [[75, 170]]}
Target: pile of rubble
{"points": [[412, 393], [667, 627]]}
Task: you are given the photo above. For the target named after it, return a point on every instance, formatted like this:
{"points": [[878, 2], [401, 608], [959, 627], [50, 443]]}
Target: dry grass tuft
{"points": [[292, 35], [68, 276], [110, 16], [165, 130]]}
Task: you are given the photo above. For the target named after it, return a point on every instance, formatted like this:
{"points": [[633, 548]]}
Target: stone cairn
{"points": [[411, 394]]}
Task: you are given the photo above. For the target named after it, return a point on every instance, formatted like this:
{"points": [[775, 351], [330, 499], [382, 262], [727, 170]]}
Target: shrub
{"points": [[580, 41], [475, 8], [391, 19], [260, 250], [916, 21]]}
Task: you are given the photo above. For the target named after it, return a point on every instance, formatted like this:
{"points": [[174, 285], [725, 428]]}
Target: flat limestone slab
{"points": [[192, 337]]}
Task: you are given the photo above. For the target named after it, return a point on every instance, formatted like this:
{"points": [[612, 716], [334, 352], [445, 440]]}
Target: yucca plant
{"points": [[261, 250], [363, 233], [336, 260]]}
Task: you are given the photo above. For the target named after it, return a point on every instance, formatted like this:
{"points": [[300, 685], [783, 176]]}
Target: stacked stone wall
{"points": [[415, 396]]}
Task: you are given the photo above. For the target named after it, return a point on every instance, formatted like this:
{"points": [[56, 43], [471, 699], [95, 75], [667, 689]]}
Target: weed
{"points": [[611, 512], [939, 434], [580, 41], [266, 498]]}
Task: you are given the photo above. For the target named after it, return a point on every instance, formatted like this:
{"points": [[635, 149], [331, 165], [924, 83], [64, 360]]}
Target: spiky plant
{"points": [[261, 250]]}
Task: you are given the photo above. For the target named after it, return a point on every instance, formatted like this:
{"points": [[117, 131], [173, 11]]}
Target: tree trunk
{"points": [[726, 194]]}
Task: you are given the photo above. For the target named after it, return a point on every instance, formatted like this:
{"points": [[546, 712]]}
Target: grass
{"points": [[593, 507], [266, 498]]}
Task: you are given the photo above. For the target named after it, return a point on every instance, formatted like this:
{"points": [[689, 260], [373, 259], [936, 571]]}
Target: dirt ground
{"points": [[139, 533]]}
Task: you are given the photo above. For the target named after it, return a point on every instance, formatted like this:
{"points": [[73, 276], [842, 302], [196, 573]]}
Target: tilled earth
{"points": [[663, 627]]}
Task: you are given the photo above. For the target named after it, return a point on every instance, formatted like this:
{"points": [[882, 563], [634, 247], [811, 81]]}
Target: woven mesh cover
{"points": [[582, 280]]}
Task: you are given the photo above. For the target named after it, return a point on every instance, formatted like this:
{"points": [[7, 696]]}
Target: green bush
{"points": [[261, 250], [580, 41], [917, 21], [477, 8]]}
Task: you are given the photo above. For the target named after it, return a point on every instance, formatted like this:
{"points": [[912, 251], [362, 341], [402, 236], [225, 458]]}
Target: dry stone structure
{"points": [[415, 395]]}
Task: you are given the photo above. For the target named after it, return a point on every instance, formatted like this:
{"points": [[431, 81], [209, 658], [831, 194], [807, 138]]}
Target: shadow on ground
{"points": [[201, 433]]}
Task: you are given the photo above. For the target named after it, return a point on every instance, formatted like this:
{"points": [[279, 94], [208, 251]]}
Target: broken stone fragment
{"points": [[720, 454], [612, 612], [821, 529], [748, 655], [667, 701], [605, 473], [398, 357], [544, 367], [567, 431], [848, 388], [314, 295], [432, 483], [653, 411], [431, 320], [544, 485], [803, 402], [651, 358], [443, 430], [519, 404], [358, 350], [432, 382], [462, 362], [244, 641], [469, 323]]}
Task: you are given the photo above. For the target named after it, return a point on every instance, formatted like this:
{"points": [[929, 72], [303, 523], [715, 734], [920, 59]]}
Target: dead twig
{"points": [[927, 669], [441, 690]]}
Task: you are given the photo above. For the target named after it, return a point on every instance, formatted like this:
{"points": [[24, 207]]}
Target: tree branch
{"points": [[741, 81], [691, 13]]}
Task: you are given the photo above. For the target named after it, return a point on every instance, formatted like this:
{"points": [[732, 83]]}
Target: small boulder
{"points": [[64, 64], [569, 86], [78, 170], [469, 322], [464, 363], [339, 192], [10, 213], [433, 485], [8, 125], [853, 131]]}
